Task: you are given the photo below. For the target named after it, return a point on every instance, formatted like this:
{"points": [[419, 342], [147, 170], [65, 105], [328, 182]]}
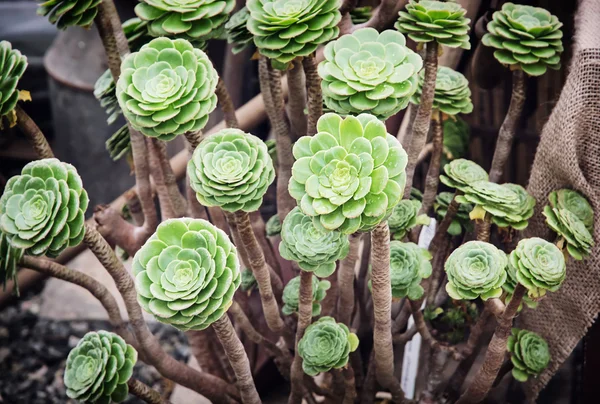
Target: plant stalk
{"points": [[145, 392], [296, 100], [346, 275], [433, 173], [33, 133], [226, 105], [315, 95]]}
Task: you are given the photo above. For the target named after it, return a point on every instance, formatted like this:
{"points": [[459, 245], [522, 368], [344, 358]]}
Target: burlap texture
{"points": [[568, 156]]}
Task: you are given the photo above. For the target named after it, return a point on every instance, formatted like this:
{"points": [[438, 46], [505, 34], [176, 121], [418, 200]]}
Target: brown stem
{"points": [[437, 265], [98, 290], [350, 385], [205, 349], [384, 15], [34, 134], [423, 329], [495, 354], [208, 385], [483, 229], [296, 100], [476, 332], [304, 320], [508, 128], [259, 227], [194, 139], [442, 229], [145, 392], [315, 96], [261, 271], [382, 298], [367, 395], [177, 199], [167, 209], [237, 358], [135, 208], [405, 336], [346, 275], [113, 39], [226, 105], [401, 319], [433, 173], [423, 117]]}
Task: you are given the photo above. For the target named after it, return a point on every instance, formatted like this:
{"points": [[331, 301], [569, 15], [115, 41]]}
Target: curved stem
{"points": [[350, 385], [508, 128], [145, 392], [483, 229], [433, 173], [178, 200], [208, 385], [296, 100], [226, 105], [237, 358], [304, 320], [346, 275], [423, 117], [167, 209], [315, 96], [208, 353], [33, 133], [382, 298]]}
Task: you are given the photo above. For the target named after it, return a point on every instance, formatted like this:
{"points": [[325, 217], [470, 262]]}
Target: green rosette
{"points": [[291, 295], [529, 354]]}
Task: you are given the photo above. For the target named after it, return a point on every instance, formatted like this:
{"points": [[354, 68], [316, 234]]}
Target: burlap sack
{"points": [[568, 156]]}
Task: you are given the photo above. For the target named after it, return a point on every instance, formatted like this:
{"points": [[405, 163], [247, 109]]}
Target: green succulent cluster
{"points": [[350, 175], [167, 88], [429, 20], [510, 285], [409, 264], [12, 67], [526, 37], [540, 266], [461, 220], [530, 354], [312, 246], [404, 217], [476, 269], [69, 13], [118, 144], [273, 226], [326, 345], [42, 210], [571, 216], [248, 281], [456, 139], [291, 295], [186, 273], [286, 29], [369, 72], [237, 30], [99, 367], [452, 94], [509, 205], [193, 20], [416, 194], [360, 15], [231, 169], [9, 262], [461, 173]]}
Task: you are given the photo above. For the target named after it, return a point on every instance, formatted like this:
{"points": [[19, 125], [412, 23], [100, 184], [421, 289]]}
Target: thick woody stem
{"points": [[226, 105], [406, 335], [345, 304], [382, 308], [34, 134], [437, 265], [177, 199], [194, 139], [367, 395], [476, 332], [442, 229], [208, 385], [134, 206], [206, 350], [496, 351], [508, 128], [112, 35], [315, 95], [423, 117], [296, 100], [483, 229], [270, 86], [237, 358], [259, 227], [145, 392], [433, 173], [350, 385], [304, 320], [261, 271], [167, 209], [98, 290]]}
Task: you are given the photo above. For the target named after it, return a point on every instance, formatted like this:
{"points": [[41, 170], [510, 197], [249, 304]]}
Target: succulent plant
{"points": [[286, 29], [9, 262], [350, 175], [409, 264], [526, 37], [193, 20], [12, 67], [540, 266], [452, 94], [359, 15], [99, 367], [476, 269], [119, 143], [430, 20], [69, 13], [461, 219], [510, 285], [237, 30], [461, 173], [416, 194], [326, 345], [167, 88], [231, 169], [571, 229], [509, 205], [369, 72], [42, 210], [291, 295], [530, 354], [576, 203], [404, 217], [186, 273], [314, 248], [456, 139], [248, 281], [273, 226]]}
